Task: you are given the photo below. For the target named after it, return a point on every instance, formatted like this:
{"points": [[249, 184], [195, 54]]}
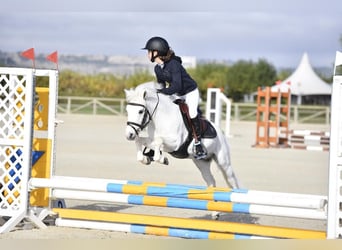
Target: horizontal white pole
{"points": [[280, 199], [121, 227], [73, 183], [118, 227]]}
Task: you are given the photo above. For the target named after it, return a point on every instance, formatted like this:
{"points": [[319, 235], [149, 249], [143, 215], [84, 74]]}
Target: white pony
{"points": [[161, 120]]}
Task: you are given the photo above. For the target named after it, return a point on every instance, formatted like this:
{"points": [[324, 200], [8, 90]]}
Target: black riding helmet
{"points": [[158, 44]]}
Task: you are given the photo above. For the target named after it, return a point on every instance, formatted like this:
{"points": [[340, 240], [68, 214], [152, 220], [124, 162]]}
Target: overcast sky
{"points": [[279, 32]]}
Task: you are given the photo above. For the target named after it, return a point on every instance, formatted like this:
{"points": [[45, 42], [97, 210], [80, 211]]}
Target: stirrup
{"points": [[200, 156], [199, 151]]}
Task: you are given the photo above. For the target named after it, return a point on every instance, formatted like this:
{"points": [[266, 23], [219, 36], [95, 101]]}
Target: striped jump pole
{"points": [[309, 140], [187, 223], [151, 230], [309, 132], [183, 191], [310, 147], [319, 140], [217, 206], [234, 195]]}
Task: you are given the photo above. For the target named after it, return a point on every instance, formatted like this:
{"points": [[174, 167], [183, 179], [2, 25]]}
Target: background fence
{"points": [[239, 111]]}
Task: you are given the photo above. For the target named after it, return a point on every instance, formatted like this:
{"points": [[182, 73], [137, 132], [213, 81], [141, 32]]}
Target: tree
{"points": [[245, 77], [265, 73], [99, 85], [209, 75], [235, 80], [283, 74], [138, 78]]}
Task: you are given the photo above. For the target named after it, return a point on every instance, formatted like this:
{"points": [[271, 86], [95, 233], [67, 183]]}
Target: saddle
{"points": [[207, 130]]}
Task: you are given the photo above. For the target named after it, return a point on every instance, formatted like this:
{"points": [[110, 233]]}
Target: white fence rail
{"points": [[91, 105], [239, 111]]}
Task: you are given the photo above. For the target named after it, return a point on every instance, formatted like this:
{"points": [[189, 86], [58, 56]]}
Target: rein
{"points": [[146, 119]]}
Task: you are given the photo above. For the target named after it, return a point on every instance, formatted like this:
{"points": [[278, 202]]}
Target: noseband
{"points": [[146, 119]]}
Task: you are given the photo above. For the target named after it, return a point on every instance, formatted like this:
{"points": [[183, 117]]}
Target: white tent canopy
{"points": [[304, 81]]}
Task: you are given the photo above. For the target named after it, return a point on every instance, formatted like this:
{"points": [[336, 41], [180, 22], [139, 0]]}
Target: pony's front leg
{"points": [[158, 152], [139, 143]]}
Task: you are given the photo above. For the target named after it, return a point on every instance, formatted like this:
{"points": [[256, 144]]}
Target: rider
{"points": [[176, 81]]}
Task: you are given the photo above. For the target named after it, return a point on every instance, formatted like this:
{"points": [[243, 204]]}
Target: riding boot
{"points": [[199, 150]]}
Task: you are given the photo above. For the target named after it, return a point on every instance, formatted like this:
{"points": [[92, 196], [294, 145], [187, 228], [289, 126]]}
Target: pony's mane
{"points": [[149, 86], [137, 93], [146, 92]]}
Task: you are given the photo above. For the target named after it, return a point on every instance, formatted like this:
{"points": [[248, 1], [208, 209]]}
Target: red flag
{"points": [[53, 57], [29, 54]]}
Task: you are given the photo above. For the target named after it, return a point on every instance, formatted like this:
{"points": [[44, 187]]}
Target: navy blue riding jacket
{"points": [[174, 78]]}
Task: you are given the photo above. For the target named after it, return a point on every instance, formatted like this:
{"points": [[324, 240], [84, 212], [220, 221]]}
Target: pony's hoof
{"points": [[166, 161], [215, 216], [146, 161]]}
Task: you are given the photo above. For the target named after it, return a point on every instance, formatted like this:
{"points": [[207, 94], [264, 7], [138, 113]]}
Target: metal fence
{"points": [[239, 111]]}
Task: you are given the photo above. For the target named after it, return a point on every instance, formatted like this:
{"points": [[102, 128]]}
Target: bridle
{"points": [[147, 118]]}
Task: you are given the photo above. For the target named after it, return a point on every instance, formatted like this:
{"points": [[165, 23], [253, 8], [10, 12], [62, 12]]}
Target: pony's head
{"points": [[138, 115]]}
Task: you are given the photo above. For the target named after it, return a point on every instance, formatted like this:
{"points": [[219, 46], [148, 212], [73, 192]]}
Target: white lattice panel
{"points": [[16, 114]]}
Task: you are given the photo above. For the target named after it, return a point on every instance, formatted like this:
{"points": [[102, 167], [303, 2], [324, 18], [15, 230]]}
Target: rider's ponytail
{"points": [[170, 55]]}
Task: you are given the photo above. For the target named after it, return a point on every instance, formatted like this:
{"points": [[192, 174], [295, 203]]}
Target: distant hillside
{"points": [[88, 64], [117, 65]]}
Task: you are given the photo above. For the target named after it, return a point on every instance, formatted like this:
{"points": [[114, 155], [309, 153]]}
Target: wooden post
{"points": [[272, 118]]}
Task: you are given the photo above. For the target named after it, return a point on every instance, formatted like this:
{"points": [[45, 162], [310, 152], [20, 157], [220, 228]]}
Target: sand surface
{"points": [[95, 146]]}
